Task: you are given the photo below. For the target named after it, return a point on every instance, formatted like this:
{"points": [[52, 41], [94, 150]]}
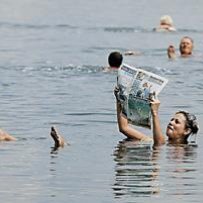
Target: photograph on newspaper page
{"points": [[125, 79]]}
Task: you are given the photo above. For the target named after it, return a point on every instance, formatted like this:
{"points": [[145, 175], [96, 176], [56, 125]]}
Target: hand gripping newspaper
{"points": [[136, 88]]}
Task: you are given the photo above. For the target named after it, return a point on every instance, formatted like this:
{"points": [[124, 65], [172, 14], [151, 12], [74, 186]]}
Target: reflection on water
{"points": [[142, 171], [181, 170], [136, 169]]}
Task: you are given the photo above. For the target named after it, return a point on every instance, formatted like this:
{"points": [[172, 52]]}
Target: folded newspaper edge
{"points": [[136, 88]]}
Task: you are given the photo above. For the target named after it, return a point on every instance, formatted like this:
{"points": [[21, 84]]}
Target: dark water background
{"points": [[51, 55]]}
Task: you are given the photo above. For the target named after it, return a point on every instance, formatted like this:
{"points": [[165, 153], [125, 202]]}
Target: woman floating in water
{"points": [[58, 139], [180, 127]]}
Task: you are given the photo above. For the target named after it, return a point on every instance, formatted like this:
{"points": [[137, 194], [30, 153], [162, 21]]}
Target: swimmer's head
{"points": [[166, 20], [115, 59], [181, 126], [186, 46], [191, 122]]}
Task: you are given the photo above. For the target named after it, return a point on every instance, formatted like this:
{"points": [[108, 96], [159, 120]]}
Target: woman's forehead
{"points": [[179, 116]]}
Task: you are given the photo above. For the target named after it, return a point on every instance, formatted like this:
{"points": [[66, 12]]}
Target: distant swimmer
{"points": [[132, 53], [115, 60], [185, 47], [166, 24]]}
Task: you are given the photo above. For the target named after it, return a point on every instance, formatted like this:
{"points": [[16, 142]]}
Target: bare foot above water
{"points": [[58, 139]]}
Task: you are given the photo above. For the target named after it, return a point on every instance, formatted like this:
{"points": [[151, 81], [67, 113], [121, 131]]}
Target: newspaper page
{"points": [[136, 88]]}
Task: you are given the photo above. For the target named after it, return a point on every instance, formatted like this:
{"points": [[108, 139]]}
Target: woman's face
{"points": [[176, 128]]}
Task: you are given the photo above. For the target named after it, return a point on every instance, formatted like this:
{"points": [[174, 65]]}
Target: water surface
{"points": [[52, 54]]}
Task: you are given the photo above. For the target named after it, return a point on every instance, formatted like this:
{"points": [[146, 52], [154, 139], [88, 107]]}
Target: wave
{"points": [[36, 26], [125, 29], [66, 69]]}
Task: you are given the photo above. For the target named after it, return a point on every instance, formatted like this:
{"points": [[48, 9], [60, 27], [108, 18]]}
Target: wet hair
{"points": [[186, 37], [191, 122], [115, 59]]}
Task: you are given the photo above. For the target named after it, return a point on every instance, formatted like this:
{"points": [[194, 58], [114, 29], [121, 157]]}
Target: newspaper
{"points": [[136, 88]]}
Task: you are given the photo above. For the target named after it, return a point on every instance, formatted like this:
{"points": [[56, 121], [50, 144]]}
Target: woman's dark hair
{"points": [[191, 121]]}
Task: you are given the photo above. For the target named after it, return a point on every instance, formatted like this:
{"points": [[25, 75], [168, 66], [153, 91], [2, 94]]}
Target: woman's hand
{"points": [[155, 103]]}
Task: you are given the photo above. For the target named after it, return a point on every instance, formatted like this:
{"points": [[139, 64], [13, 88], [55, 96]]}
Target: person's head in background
{"points": [[115, 59], [186, 46], [166, 24]]}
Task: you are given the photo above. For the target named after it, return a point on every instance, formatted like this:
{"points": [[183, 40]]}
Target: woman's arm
{"points": [[158, 137], [124, 127]]}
